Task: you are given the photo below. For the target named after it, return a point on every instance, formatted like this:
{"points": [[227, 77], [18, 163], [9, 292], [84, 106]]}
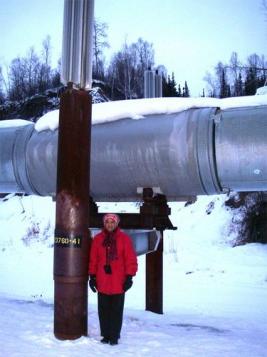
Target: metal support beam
{"points": [[154, 214], [154, 280], [72, 216]]}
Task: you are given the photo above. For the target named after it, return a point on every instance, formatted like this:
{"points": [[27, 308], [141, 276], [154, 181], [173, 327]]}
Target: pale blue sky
{"points": [[189, 37]]}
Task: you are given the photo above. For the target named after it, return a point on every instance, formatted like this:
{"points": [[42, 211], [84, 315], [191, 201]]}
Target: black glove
{"points": [[92, 283], [128, 283]]}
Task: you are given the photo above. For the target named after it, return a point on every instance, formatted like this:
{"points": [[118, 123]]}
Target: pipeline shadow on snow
{"points": [[190, 327]]}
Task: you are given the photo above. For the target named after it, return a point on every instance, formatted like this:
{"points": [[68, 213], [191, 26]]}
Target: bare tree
{"points": [[145, 55], [46, 50], [17, 75], [235, 71], [209, 78], [45, 67], [126, 70], [99, 44], [31, 74], [121, 71], [2, 95], [234, 66], [218, 84]]}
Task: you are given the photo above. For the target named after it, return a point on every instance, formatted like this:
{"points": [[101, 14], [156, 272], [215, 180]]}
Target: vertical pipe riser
{"points": [[77, 43], [72, 216]]}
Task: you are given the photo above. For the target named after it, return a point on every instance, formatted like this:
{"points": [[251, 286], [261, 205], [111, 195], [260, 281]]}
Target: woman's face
{"points": [[110, 225]]}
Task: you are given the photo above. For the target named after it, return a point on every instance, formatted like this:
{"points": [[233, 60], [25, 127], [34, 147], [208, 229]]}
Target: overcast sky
{"points": [[189, 37]]}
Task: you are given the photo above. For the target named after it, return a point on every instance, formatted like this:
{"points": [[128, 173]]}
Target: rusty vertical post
{"points": [[72, 215], [154, 279]]}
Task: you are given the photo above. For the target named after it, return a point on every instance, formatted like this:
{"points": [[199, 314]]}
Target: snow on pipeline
{"points": [[139, 108], [215, 295]]}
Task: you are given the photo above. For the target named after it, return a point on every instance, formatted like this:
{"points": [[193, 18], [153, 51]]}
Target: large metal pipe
{"points": [[194, 152], [241, 149]]}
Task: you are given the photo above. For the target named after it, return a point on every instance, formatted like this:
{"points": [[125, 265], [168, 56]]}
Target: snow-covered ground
{"points": [[215, 296]]}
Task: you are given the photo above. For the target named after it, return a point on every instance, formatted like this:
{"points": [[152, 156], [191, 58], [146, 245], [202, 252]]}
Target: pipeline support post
{"points": [[156, 205], [72, 216], [154, 279]]}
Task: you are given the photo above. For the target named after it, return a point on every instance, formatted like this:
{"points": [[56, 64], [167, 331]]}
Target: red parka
{"points": [[125, 264]]}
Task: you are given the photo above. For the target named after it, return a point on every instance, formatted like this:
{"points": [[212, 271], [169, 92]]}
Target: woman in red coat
{"points": [[112, 265]]}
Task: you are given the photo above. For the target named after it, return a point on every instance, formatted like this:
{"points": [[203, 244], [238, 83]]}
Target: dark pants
{"points": [[110, 312]]}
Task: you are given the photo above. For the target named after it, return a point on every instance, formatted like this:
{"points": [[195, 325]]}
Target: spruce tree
{"points": [[179, 91], [251, 82], [238, 86], [172, 85], [169, 87], [186, 90], [224, 90]]}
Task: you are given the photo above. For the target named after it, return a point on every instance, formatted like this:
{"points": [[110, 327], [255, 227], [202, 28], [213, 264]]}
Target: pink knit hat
{"points": [[114, 217]]}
